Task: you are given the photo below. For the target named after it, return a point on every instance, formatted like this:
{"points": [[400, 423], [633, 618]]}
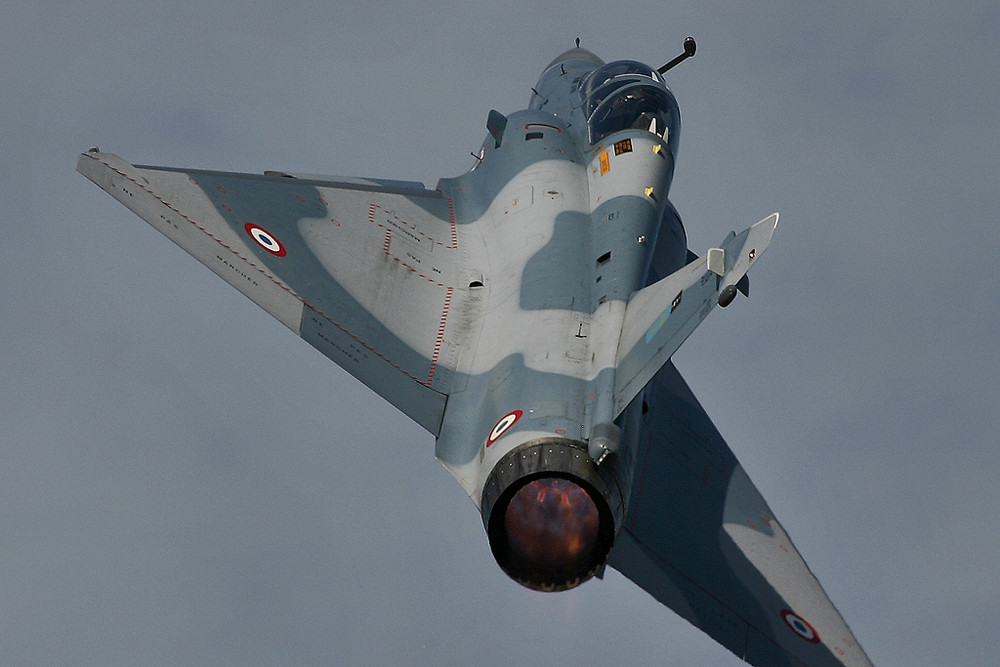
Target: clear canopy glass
{"points": [[626, 95]]}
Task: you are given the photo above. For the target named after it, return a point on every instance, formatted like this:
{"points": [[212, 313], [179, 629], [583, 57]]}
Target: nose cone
{"points": [[576, 54], [556, 90]]}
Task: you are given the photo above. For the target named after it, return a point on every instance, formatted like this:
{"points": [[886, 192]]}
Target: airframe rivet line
{"points": [[413, 270], [363, 343], [454, 227], [264, 273], [440, 336], [388, 238], [385, 249], [451, 215]]}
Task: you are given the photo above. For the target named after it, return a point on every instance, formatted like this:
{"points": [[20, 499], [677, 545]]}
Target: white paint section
{"points": [[399, 261], [516, 228], [631, 173]]}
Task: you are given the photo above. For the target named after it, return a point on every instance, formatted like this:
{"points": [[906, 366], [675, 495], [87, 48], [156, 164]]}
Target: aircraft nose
{"points": [[576, 54]]}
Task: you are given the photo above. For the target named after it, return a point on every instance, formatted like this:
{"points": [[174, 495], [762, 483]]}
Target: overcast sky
{"points": [[182, 481]]}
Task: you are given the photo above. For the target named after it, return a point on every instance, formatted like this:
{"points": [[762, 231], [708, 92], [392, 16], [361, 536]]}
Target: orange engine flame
{"points": [[552, 524]]}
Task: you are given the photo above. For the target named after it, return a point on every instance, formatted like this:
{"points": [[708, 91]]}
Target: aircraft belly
{"points": [[533, 305], [532, 352]]}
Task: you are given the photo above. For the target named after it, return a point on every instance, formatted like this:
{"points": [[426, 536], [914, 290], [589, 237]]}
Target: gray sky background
{"points": [[182, 481]]}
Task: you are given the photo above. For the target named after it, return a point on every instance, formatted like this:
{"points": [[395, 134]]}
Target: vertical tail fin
{"points": [[660, 317]]}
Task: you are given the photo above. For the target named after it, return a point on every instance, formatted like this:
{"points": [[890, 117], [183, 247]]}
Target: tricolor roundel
{"points": [[503, 425], [265, 239], [799, 626]]}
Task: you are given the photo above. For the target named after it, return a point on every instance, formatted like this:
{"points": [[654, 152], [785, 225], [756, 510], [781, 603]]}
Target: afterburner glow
{"points": [[552, 526]]}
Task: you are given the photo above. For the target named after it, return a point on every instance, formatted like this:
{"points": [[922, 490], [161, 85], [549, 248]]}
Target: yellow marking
{"points": [[605, 163]]}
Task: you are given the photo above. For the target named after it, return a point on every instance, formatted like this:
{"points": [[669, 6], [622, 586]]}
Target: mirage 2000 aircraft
{"points": [[525, 314]]}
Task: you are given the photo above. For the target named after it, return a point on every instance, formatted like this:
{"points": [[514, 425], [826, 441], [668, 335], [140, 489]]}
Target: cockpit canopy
{"points": [[626, 94], [618, 68]]}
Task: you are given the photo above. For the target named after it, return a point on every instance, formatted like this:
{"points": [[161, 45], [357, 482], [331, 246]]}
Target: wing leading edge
{"points": [[367, 273], [700, 539]]}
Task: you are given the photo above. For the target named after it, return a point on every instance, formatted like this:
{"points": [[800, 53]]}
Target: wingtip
{"points": [[770, 223]]}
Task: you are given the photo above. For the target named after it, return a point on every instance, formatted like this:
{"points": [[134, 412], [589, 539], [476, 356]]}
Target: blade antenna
{"points": [[689, 48]]}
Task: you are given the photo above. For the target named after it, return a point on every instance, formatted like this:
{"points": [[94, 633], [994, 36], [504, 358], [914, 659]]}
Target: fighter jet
{"points": [[525, 314]]}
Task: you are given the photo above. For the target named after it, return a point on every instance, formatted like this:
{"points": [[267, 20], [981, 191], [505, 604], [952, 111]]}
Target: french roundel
{"points": [[503, 425], [265, 239], [799, 626]]}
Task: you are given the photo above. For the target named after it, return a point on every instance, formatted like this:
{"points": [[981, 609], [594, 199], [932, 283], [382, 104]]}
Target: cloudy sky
{"points": [[182, 481]]}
